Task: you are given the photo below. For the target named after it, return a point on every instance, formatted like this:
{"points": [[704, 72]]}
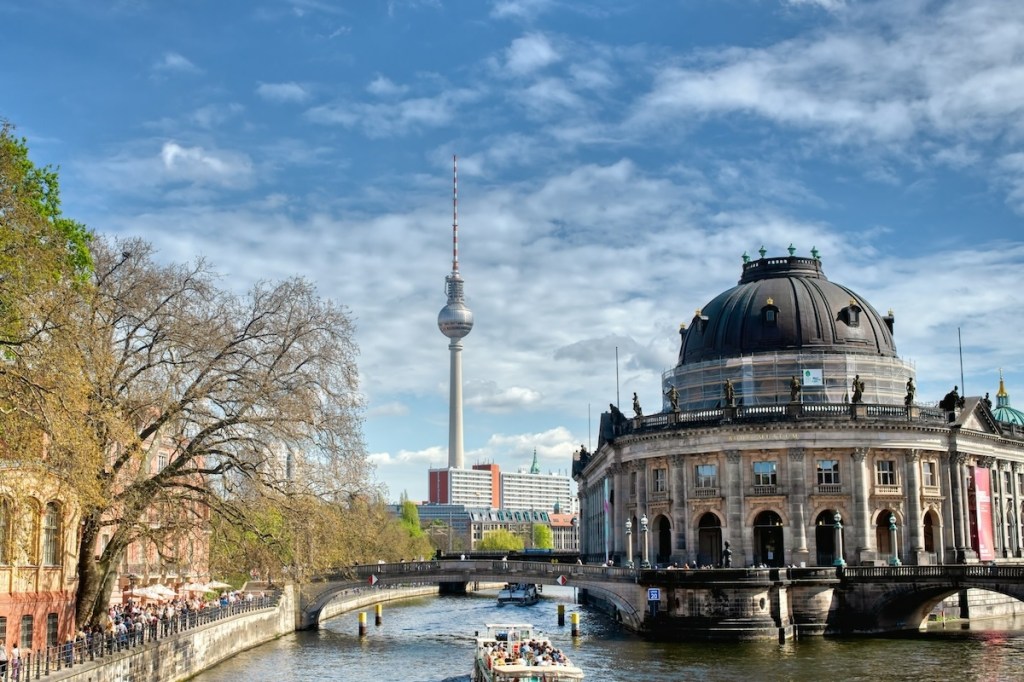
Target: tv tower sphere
{"points": [[455, 320]]}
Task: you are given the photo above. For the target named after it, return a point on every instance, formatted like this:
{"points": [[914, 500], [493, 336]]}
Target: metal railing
{"points": [[97, 646]]}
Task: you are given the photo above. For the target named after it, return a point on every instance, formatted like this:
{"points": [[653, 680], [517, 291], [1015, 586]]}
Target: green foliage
{"points": [[30, 199], [410, 519], [542, 537], [500, 540]]}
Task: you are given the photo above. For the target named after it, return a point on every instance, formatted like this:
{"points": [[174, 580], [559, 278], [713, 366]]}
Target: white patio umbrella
{"points": [[162, 591], [192, 587], [217, 585]]}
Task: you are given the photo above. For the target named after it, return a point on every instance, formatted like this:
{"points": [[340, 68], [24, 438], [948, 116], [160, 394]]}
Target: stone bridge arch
{"points": [[616, 586], [890, 599]]}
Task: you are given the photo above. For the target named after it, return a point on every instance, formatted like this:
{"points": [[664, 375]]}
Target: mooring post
{"points": [[379, 620], [362, 624], [575, 624], [561, 615]]}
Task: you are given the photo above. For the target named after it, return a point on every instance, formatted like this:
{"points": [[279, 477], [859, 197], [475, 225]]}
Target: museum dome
{"points": [[1003, 412], [785, 304]]}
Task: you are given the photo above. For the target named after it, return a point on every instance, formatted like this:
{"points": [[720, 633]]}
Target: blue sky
{"points": [[617, 158]]}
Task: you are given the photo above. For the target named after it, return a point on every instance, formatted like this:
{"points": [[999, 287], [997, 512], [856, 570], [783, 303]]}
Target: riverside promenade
{"points": [[178, 648]]}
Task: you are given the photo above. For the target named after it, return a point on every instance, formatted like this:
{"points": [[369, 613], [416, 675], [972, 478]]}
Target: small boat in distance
{"points": [[515, 652], [520, 594]]}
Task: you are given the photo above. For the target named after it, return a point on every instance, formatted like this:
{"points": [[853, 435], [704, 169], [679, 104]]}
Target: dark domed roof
{"points": [[786, 304]]}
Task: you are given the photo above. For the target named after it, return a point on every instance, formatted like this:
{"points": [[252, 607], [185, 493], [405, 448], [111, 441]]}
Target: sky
{"points": [[616, 160]]}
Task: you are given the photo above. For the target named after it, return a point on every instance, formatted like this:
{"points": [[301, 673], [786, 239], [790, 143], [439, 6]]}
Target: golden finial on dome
{"points": [[770, 301], [1002, 388], [697, 312]]}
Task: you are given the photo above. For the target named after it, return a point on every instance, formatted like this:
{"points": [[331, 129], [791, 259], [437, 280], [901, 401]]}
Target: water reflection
{"points": [[431, 640]]}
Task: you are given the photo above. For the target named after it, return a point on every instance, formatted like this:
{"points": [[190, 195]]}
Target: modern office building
{"points": [[792, 431], [534, 490], [476, 487]]}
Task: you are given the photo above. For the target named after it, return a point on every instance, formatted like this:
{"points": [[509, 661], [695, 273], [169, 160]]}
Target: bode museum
{"points": [[790, 434]]}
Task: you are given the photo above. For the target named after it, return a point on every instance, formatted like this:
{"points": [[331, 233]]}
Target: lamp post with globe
{"points": [[629, 544], [643, 528], [840, 561]]}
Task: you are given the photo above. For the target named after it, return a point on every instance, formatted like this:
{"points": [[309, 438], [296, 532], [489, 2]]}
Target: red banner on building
{"points": [[980, 508]]}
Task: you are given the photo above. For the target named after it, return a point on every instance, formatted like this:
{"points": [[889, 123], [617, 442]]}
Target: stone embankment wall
{"points": [[184, 655]]}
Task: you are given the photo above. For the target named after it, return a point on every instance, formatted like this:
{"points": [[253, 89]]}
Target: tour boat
{"points": [[520, 594], [515, 652]]}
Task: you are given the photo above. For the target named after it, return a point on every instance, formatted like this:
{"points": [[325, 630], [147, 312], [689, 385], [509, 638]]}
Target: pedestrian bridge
{"points": [[734, 603]]}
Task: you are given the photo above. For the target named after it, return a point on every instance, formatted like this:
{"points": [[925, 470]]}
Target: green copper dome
{"points": [[1003, 412]]}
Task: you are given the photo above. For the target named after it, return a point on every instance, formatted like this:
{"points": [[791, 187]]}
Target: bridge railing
{"points": [[945, 572]]}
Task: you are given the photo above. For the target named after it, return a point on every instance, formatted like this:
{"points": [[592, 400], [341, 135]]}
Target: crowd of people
{"points": [[127, 625], [534, 652]]}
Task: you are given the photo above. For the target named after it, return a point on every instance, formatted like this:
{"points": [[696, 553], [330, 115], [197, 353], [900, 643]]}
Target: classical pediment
{"points": [[976, 416]]}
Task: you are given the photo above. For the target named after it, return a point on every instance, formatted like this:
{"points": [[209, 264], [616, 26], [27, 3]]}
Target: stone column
{"points": [[997, 502], [678, 507], [861, 511], [1016, 468], [797, 501], [734, 531], [959, 499], [914, 553]]}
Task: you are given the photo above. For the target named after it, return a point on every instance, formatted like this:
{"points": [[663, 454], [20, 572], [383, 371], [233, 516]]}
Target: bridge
{"points": [[704, 604]]}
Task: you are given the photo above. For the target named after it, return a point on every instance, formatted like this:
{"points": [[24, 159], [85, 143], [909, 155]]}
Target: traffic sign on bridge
{"points": [[373, 580], [561, 580]]}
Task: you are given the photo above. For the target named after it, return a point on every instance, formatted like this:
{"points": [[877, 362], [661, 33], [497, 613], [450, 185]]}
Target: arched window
{"points": [[5, 530], [770, 314], [51, 535], [27, 542]]}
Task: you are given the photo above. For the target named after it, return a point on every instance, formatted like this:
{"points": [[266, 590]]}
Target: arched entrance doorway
{"points": [[663, 540], [931, 537], [768, 547], [883, 536], [825, 538], [709, 540]]}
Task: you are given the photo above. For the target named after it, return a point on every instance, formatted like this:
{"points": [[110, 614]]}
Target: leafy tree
{"points": [[44, 261], [202, 401], [410, 518], [542, 537], [500, 539]]}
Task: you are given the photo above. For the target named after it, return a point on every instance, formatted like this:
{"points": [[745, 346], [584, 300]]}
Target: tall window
{"points": [[632, 484], [928, 474], [161, 461], [828, 472], [885, 472], [764, 473], [707, 476], [661, 480], [26, 633], [51, 535], [3, 630], [51, 630], [5, 531], [28, 534]]}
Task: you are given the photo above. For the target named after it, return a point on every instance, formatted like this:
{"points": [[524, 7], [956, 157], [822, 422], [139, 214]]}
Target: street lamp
{"points": [[894, 560], [643, 527], [629, 544], [840, 561]]}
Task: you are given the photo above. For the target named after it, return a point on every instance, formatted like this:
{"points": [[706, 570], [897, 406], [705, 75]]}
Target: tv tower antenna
{"points": [[455, 321]]}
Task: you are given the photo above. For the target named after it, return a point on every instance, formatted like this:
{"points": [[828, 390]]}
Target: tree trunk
{"points": [[95, 577]]}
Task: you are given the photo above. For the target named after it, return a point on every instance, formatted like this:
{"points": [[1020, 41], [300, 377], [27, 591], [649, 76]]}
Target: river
{"points": [[431, 640]]}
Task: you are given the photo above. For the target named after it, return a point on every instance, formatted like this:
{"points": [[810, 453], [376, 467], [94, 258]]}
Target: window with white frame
{"points": [[828, 472], [928, 476], [661, 480], [764, 473], [706, 476], [885, 472], [51, 535]]}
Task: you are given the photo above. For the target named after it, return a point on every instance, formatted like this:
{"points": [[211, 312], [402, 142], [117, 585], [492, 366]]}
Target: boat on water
{"points": [[520, 594], [516, 652]]}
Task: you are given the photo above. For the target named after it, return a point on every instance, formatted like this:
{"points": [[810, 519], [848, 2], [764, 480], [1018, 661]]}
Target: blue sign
{"points": [[653, 594]]}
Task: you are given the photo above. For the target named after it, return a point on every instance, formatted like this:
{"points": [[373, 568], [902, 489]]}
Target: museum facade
{"points": [[791, 430]]}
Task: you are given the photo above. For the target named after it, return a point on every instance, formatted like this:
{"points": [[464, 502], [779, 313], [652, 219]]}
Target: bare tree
{"points": [[197, 394]]}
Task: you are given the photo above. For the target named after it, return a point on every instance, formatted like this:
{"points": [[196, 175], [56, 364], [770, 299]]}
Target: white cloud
{"points": [[828, 5], [283, 92], [520, 9], [172, 61], [530, 53], [395, 118], [384, 87]]}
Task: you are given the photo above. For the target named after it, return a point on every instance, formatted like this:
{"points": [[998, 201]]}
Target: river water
{"points": [[431, 640]]}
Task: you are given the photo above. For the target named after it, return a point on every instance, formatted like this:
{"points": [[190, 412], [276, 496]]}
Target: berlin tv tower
{"points": [[455, 321]]}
